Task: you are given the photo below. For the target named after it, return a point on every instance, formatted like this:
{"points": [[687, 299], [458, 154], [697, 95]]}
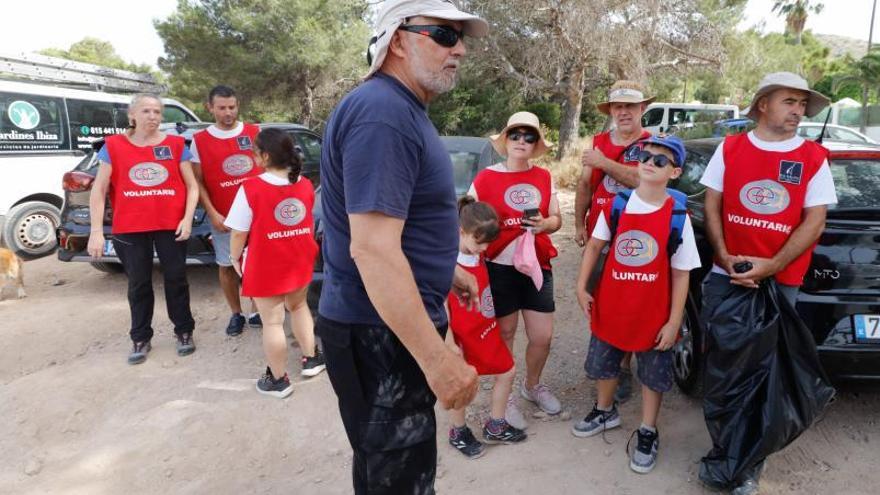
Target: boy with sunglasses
{"points": [[643, 271]]}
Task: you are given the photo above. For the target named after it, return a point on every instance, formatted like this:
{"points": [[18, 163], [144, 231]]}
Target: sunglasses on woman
{"points": [[442, 35], [660, 161], [529, 136]]}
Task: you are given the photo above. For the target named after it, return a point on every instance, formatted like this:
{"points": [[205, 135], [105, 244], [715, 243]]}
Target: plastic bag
{"points": [[764, 385], [525, 258]]}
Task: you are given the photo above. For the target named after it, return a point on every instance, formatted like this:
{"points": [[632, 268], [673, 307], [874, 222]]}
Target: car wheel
{"points": [[687, 355], [107, 267], [29, 230]]}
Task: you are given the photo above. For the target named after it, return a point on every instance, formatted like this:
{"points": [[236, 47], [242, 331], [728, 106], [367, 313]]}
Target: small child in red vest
{"points": [[272, 214], [475, 332], [639, 301]]}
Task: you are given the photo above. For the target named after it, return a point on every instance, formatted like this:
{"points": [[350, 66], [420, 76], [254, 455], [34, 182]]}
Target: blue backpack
{"points": [[676, 223]]}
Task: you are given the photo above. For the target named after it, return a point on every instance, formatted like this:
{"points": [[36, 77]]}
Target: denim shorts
{"points": [[221, 246], [655, 367]]}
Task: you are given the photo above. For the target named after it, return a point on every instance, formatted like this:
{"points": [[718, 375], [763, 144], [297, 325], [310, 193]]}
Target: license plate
{"points": [[109, 250], [867, 328]]}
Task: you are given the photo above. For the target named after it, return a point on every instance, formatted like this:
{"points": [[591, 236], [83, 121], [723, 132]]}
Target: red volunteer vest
{"points": [[147, 192], [511, 193], [633, 297], [226, 163], [763, 200], [603, 186], [281, 248], [476, 332]]}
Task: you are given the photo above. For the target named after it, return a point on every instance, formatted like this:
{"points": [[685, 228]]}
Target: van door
{"points": [[35, 149], [92, 121], [652, 120]]}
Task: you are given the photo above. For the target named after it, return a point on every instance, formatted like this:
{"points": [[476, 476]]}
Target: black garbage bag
{"points": [[764, 385]]}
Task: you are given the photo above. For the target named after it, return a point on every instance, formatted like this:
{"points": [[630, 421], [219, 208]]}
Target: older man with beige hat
{"points": [[390, 248], [609, 167], [767, 193]]}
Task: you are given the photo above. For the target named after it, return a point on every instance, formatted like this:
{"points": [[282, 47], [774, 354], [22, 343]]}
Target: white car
{"points": [[811, 131]]}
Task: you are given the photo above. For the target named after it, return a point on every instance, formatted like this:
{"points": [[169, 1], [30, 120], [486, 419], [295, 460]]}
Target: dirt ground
{"points": [[77, 419]]}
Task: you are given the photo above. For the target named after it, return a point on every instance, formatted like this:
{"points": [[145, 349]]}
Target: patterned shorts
{"points": [[655, 367]]}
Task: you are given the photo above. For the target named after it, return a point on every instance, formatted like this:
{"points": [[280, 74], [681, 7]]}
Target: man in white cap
{"points": [[767, 193], [390, 248], [609, 167]]}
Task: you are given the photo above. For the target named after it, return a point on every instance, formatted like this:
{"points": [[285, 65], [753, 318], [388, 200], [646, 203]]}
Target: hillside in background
{"points": [[843, 45]]}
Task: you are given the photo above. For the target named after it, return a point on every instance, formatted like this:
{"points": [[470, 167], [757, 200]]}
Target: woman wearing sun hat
{"points": [[520, 275]]}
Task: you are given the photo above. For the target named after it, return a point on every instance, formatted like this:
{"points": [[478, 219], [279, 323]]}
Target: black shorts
{"points": [[513, 291]]}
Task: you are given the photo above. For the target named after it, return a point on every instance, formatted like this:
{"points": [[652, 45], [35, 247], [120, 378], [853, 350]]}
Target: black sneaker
{"points": [[464, 441], [236, 324], [255, 321], [139, 351], [644, 457], [504, 434], [269, 385], [314, 365], [185, 344]]}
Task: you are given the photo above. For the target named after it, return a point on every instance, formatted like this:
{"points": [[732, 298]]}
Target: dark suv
{"points": [[73, 233], [840, 298]]}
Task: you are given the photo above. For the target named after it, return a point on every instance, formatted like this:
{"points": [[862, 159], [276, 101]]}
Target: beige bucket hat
{"points": [[395, 12], [624, 92], [778, 80], [521, 119]]}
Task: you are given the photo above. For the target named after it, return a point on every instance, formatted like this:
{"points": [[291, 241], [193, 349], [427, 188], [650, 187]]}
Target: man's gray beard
{"points": [[436, 82]]}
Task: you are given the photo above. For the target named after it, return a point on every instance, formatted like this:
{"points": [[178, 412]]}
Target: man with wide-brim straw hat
{"points": [[524, 196], [521, 119], [390, 247], [767, 193], [609, 167]]}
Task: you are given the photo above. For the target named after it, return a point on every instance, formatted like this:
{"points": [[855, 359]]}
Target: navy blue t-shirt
{"points": [[382, 154]]}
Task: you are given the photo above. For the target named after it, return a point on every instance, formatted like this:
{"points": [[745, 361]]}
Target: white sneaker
{"points": [[543, 397], [513, 415]]}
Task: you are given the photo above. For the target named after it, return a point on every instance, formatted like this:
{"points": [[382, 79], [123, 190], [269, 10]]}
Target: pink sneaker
{"points": [[543, 397]]}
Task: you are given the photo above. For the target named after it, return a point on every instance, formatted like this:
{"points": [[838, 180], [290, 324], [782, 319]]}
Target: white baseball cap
{"points": [[395, 12], [778, 80]]}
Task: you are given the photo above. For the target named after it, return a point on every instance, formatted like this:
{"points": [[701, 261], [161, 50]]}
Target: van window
{"points": [[310, 144], [93, 120], [175, 114], [652, 117], [685, 117], [32, 123]]}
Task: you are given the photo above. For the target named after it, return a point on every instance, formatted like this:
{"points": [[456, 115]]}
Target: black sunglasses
{"points": [[442, 35], [660, 161], [529, 136]]}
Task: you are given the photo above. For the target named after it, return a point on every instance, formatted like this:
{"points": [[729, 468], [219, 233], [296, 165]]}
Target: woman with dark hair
{"points": [[153, 193], [272, 215]]}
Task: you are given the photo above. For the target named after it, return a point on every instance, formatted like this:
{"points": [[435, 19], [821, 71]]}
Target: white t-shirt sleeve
{"points": [[472, 192], [713, 176], [686, 257], [820, 190], [601, 230], [194, 150], [240, 214]]}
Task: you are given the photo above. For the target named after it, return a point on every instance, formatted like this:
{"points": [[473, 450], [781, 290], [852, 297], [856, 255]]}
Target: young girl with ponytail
{"points": [[476, 333], [272, 215]]}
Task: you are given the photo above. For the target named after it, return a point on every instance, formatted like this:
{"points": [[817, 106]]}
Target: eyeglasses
{"points": [[659, 161], [515, 134], [442, 35]]}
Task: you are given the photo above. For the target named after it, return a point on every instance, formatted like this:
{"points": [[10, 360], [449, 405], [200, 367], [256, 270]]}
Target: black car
{"points": [[73, 233], [469, 155], [840, 298]]}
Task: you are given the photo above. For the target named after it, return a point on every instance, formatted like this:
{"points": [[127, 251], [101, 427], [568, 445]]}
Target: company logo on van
{"points": [[290, 212], [148, 174], [238, 164], [23, 115]]}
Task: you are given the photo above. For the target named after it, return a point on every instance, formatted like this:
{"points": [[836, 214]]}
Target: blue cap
{"points": [[672, 143]]}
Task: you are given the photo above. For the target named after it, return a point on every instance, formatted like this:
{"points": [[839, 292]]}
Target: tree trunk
{"points": [[308, 106], [571, 114]]}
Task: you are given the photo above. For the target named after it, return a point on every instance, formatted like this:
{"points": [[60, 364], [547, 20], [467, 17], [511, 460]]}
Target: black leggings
{"points": [[135, 251]]}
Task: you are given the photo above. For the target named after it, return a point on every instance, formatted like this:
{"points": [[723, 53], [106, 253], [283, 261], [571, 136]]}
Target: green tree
{"points": [[796, 13], [98, 52], [865, 72], [286, 58]]}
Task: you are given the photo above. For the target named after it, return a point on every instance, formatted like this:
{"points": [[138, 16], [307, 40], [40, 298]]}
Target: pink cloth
{"points": [[525, 260]]}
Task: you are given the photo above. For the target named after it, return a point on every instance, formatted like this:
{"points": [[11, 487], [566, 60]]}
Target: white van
{"points": [[44, 132], [670, 117]]}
